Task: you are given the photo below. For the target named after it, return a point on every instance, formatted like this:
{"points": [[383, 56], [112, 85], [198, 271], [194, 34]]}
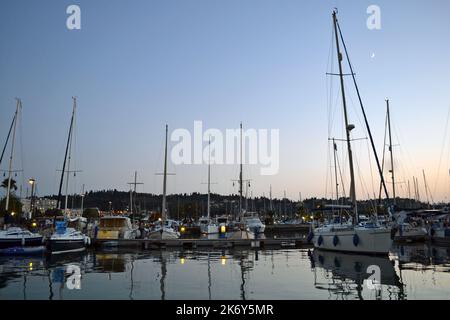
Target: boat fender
{"points": [[320, 240], [335, 240], [356, 240], [310, 237]]}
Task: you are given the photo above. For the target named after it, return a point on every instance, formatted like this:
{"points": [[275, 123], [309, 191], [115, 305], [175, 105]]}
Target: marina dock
{"points": [[204, 243]]}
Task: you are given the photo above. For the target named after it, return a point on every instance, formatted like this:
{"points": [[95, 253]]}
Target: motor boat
{"points": [[408, 229], [18, 237], [65, 240], [254, 223], [115, 228]]}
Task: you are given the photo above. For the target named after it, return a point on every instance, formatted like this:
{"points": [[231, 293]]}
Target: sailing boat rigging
{"points": [[165, 229], [367, 237], [65, 239], [14, 239]]}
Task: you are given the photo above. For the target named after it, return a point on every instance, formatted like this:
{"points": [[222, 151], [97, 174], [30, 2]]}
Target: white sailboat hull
{"points": [[368, 240], [165, 234]]}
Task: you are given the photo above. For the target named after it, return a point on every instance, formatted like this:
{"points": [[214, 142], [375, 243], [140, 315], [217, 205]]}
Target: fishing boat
{"points": [[66, 240], [164, 230], [352, 236]]}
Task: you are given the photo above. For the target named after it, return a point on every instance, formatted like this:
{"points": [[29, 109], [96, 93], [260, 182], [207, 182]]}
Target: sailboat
{"points": [[66, 239], [207, 226], [242, 231], [166, 228], [351, 236], [15, 240]]}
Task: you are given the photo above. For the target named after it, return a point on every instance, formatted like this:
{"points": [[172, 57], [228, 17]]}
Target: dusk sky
{"points": [[137, 65]]}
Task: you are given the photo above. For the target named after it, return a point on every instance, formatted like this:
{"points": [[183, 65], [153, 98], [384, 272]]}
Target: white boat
{"points": [[116, 227], [165, 229], [408, 229], [440, 230], [365, 237], [254, 223], [18, 237], [361, 238], [66, 240], [207, 226]]}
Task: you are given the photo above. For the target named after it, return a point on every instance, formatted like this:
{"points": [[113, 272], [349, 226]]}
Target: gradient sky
{"points": [[136, 65]]}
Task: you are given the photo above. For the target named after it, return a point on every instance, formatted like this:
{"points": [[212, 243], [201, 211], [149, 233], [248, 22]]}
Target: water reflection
{"points": [[346, 274], [410, 272]]}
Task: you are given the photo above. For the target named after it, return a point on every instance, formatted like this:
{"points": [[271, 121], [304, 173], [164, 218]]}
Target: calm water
{"points": [[411, 272]]}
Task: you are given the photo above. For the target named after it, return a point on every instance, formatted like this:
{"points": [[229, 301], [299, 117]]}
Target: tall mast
{"points": [[390, 150], [335, 171], [18, 106], [7, 137], [426, 188], [240, 174], [163, 214], [133, 192], [58, 205], [209, 178], [348, 127], [380, 171], [270, 196], [82, 199], [70, 155]]}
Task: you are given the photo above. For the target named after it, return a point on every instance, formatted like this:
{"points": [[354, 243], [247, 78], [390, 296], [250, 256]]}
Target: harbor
{"points": [[180, 155]]}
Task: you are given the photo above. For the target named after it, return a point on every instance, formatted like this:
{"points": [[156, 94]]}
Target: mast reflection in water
{"points": [[410, 272]]}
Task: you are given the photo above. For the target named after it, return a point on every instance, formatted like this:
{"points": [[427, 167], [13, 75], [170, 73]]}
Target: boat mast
{"points": [[163, 214], [70, 155], [58, 205], [335, 171], [390, 150], [18, 107], [135, 183], [380, 171], [7, 137], [240, 174], [348, 127], [209, 178]]}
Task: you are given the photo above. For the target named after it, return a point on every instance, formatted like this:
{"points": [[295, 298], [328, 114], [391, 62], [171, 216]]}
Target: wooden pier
{"points": [[204, 243]]}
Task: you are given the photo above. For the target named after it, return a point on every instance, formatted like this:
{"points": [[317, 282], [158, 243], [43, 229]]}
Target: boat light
{"points": [[182, 260], [183, 229], [223, 229], [30, 266], [223, 260], [312, 217], [13, 213], [34, 224]]}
